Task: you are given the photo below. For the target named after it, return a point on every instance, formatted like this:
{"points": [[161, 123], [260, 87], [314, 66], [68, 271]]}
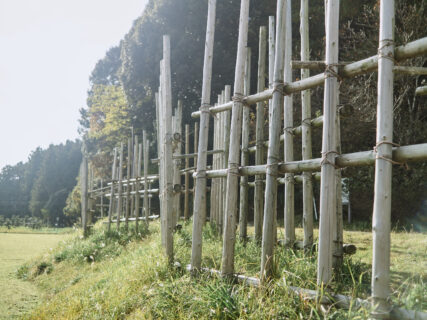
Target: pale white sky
{"points": [[48, 50]]}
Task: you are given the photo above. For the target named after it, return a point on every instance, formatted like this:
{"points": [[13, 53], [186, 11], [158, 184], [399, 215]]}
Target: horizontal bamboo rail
{"points": [[421, 91], [410, 50], [188, 155], [417, 152]]}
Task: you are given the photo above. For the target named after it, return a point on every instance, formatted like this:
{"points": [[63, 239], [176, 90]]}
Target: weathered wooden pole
{"points": [[102, 199], [259, 155], [84, 193], [177, 150], [187, 174], [145, 146], [383, 164], [113, 180], [167, 149], [199, 206], [137, 175], [120, 187], [229, 238], [271, 60], [288, 133], [307, 182], [244, 201], [128, 187], [273, 147], [329, 152]]}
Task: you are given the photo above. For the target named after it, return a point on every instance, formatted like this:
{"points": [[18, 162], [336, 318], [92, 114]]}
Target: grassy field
{"points": [[120, 275], [17, 296]]}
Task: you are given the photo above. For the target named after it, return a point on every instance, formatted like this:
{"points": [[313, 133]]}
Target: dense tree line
{"points": [[125, 80], [39, 187]]}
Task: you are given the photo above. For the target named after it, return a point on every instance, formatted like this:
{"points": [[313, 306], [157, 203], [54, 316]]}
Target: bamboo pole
{"points": [[214, 183], [273, 147], [259, 156], [113, 178], [167, 149], [163, 227], [383, 166], [227, 114], [120, 188], [306, 129], [128, 175], [227, 266], [199, 207], [196, 143], [177, 150], [421, 91], [407, 51], [271, 60], [187, 174], [404, 154], [145, 146], [102, 201], [84, 193], [289, 212], [137, 173], [327, 181], [244, 201]]}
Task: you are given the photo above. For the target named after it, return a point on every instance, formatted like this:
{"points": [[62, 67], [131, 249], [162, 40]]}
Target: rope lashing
{"points": [[384, 44], [272, 167], [240, 98], [289, 177], [279, 86], [403, 164], [233, 169], [306, 122], [206, 108], [289, 130], [201, 174], [331, 73], [325, 159]]}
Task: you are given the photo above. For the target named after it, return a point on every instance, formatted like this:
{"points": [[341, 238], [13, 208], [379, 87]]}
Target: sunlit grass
{"points": [[128, 277]]}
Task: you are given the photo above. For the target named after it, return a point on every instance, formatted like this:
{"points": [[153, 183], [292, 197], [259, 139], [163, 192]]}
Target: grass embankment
{"points": [[17, 296], [117, 275]]}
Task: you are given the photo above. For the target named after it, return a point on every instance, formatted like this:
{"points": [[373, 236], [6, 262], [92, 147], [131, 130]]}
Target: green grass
{"points": [[43, 230], [17, 296], [120, 275]]}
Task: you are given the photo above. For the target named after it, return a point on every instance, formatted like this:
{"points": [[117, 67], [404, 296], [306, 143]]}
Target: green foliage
{"points": [[40, 186]]}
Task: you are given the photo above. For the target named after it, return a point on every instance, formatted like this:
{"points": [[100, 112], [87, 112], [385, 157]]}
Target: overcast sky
{"points": [[48, 50]]}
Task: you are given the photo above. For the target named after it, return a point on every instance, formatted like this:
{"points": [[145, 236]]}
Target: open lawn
{"points": [[18, 296]]}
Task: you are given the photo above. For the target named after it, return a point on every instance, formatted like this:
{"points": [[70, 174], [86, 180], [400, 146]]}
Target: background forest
{"points": [[123, 84]]}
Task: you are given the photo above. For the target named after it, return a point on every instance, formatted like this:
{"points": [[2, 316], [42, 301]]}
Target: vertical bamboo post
{"points": [[273, 147], [383, 164], [337, 255], [167, 149], [327, 182], [214, 182], [120, 188], [177, 128], [227, 115], [187, 174], [271, 57], [289, 143], [137, 175], [113, 179], [102, 199], [307, 182], [222, 181], [199, 207], [244, 201], [196, 143], [90, 197], [161, 155], [229, 238], [145, 146], [134, 173], [84, 193], [259, 155], [128, 176]]}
